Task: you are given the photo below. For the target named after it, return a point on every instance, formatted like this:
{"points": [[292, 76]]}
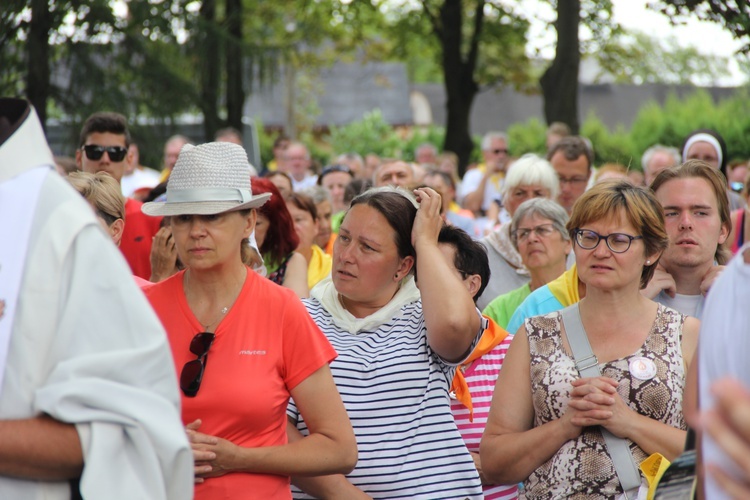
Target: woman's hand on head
{"points": [[428, 222]]}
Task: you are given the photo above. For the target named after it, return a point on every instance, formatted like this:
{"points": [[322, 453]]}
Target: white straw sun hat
{"points": [[208, 179]]}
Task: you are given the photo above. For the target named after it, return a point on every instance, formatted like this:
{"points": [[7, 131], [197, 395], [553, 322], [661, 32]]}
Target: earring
{"points": [[395, 276], [648, 262]]}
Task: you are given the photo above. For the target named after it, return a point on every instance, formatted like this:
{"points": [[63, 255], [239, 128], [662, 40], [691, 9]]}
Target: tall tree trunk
{"points": [[290, 101], [560, 81], [37, 58], [458, 131], [234, 65], [210, 59], [458, 75]]}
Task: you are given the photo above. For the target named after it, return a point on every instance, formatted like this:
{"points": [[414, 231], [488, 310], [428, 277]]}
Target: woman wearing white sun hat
{"points": [[262, 344]]}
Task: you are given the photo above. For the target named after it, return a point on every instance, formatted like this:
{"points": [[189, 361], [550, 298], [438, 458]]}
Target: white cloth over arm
{"points": [[87, 349], [724, 348]]}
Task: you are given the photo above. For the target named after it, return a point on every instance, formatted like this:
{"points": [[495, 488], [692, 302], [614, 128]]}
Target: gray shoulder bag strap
{"points": [[588, 366]]}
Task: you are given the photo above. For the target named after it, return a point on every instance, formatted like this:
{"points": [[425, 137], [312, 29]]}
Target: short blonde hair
{"points": [[102, 191], [638, 205]]}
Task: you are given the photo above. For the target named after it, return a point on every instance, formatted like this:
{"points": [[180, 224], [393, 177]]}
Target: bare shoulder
{"points": [[690, 331]]}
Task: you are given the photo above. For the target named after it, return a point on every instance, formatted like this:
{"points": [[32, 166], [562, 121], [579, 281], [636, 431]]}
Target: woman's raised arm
{"points": [[450, 314]]}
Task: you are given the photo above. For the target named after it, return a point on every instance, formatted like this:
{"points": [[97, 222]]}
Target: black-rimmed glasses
{"points": [[542, 231], [192, 373], [573, 181], [617, 242], [94, 152]]}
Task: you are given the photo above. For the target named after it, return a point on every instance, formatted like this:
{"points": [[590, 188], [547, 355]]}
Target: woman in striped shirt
{"points": [[397, 351]]}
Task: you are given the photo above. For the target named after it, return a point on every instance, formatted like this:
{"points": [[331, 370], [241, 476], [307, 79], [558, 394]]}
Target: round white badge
{"points": [[642, 368]]}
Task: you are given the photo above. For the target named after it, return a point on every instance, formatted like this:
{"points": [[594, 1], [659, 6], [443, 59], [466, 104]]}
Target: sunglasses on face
{"points": [[94, 152], [192, 373]]}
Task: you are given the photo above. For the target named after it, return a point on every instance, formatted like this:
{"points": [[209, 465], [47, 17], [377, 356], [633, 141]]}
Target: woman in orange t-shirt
{"points": [[263, 345]]}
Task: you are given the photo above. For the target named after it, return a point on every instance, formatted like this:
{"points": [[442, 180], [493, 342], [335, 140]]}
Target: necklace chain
{"points": [[222, 312]]}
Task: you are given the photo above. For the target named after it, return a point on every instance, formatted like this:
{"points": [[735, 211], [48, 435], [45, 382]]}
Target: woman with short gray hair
{"points": [[538, 233], [529, 177]]}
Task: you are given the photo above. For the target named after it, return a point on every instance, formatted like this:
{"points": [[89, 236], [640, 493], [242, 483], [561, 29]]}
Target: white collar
{"points": [[26, 148], [325, 292]]}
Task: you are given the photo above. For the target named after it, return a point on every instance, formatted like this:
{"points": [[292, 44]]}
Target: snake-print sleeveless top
{"points": [[582, 469]]}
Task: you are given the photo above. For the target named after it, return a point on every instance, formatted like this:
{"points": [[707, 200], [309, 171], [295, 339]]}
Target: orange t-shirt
{"points": [[329, 246], [265, 345]]}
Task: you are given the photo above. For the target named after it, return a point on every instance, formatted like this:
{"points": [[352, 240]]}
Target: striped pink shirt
{"points": [[481, 376]]}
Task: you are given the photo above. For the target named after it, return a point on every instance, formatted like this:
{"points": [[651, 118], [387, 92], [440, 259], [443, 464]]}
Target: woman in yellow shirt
{"points": [[307, 225]]}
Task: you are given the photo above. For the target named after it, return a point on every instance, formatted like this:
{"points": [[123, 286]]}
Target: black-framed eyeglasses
{"points": [[335, 168], [192, 373], [617, 242], [95, 152], [572, 180], [542, 231]]}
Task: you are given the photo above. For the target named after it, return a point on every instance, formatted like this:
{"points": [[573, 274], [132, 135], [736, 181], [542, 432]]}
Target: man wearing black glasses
{"points": [[103, 147], [572, 158], [482, 186]]}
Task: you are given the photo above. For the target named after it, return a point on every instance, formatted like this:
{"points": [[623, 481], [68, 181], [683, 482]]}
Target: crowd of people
{"points": [[376, 328]]}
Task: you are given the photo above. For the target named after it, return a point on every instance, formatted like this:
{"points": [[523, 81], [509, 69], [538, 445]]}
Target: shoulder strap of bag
{"points": [[588, 366]]}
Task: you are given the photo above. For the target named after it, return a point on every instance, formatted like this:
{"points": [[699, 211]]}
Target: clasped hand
{"points": [[595, 401], [213, 456]]}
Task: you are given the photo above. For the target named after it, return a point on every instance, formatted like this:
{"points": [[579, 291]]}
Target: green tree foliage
{"points": [[636, 57], [559, 82], [527, 137], [474, 43], [610, 146], [372, 134], [31, 30], [670, 123], [666, 124], [733, 15]]}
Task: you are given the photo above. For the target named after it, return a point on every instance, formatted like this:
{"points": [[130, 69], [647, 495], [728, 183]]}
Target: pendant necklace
{"points": [[222, 312]]}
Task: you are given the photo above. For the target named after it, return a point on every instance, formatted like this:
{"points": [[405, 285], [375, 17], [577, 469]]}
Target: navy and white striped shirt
{"points": [[395, 390]]}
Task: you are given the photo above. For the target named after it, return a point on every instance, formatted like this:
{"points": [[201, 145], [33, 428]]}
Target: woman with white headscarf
{"points": [[709, 146]]}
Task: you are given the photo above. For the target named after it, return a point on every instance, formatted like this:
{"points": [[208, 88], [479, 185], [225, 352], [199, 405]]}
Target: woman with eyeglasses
{"points": [[528, 177], [546, 420], [241, 344], [307, 225], [538, 233]]}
